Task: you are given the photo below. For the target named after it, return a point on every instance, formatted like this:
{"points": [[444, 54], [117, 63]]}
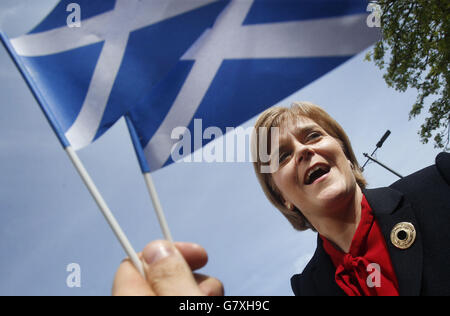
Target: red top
{"points": [[367, 269]]}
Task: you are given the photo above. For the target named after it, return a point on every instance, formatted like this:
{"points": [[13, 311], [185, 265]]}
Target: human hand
{"points": [[168, 269]]}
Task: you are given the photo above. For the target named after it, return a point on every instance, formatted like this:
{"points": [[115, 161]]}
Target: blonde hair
{"points": [[275, 117]]}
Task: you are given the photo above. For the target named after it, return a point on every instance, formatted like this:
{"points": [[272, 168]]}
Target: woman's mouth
{"points": [[315, 173]]}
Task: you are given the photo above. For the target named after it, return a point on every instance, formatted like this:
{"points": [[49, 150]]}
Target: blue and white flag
{"points": [[257, 53], [90, 73]]}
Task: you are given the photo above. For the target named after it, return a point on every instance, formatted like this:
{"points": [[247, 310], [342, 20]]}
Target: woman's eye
{"points": [[313, 135], [283, 157]]}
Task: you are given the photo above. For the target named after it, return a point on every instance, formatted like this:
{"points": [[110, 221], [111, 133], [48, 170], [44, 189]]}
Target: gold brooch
{"points": [[403, 235]]}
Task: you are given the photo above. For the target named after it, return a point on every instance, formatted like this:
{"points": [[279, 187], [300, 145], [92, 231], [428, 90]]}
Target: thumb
{"points": [[167, 272]]}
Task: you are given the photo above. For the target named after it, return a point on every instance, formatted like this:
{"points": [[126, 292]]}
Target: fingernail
{"points": [[157, 251]]}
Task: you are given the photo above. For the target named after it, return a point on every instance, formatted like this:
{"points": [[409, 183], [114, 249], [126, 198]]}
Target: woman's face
{"points": [[314, 174]]}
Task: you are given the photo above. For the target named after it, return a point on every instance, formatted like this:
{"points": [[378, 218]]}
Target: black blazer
{"points": [[422, 199]]}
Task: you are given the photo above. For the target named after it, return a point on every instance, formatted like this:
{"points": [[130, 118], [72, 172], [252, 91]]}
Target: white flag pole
{"points": [[157, 206], [72, 155], [148, 180], [117, 230]]}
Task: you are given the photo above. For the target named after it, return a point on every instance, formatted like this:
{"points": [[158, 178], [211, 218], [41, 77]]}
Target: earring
{"points": [[289, 206]]}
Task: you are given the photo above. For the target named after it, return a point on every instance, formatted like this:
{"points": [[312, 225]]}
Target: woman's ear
{"points": [[280, 196], [351, 164]]}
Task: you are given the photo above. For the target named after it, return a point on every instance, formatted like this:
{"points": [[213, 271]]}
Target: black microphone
{"points": [[386, 135]]}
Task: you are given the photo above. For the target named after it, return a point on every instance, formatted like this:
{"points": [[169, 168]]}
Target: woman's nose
{"points": [[303, 153]]}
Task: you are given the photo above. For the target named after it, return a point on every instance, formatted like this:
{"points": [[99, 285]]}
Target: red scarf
{"points": [[367, 269]]}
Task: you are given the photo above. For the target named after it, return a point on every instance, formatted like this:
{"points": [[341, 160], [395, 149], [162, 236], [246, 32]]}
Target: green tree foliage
{"points": [[415, 52]]}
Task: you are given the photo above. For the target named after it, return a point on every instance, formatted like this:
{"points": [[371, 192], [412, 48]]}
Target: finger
{"points": [[129, 282], [195, 255], [168, 274], [209, 285]]}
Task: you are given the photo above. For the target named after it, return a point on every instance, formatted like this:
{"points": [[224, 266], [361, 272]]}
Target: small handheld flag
{"points": [[74, 157], [256, 54], [88, 76]]}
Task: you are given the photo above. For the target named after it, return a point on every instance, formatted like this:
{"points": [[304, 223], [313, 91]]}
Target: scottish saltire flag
{"points": [[90, 75], [257, 53]]}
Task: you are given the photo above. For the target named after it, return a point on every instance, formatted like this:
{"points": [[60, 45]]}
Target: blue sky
{"points": [[48, 219]]}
